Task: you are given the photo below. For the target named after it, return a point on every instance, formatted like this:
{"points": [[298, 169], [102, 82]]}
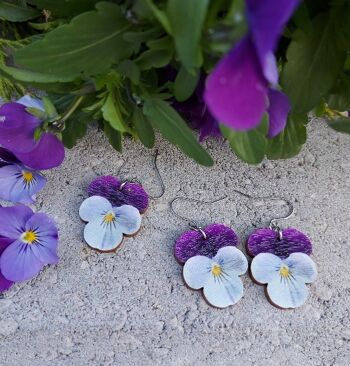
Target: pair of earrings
{"points": [[211, 262]]}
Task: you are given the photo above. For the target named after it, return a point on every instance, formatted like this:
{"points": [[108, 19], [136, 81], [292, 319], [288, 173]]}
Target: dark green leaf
{"points": [[314, 62], [129, 69], [340, 125], [250, 146], [160, 16], [339, 97], [290, 141], [154, 59], [16, 11], [143, 128], [185, 84], [75, 129], [114, 137], [111, 113], [66, 8], [163, 117], [89, 45], [187, 19]]}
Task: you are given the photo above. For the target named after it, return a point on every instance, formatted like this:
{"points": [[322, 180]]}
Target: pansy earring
{"points": [[114, 210], [282, 262], [211, 260]]}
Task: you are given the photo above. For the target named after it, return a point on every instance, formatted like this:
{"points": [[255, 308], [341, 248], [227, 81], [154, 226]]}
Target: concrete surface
{"points": [[132, 308]]}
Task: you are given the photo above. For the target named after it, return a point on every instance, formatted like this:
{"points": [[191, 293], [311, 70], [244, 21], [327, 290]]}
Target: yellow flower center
{"points": [[284, 272], [27, 176], [109, 218], [216, 270], [29, 237]]}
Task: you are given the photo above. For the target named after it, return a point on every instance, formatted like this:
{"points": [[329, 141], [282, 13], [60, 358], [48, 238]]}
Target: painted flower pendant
{"points": [[282, 263], [106, 224], [212, 263]]}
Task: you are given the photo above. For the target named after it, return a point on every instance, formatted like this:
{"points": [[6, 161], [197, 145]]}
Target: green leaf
{"points": [[89, 45], [75, 129], [339, 97], [340, 125], [114, 137], [129, 69], [143, 128], [66, 8], [160, 16], [16, 11], [314, 62], [185, 84], [111, 113], [154, 59], [290, 141], [163, 117], [250, 146], [187, 19]]}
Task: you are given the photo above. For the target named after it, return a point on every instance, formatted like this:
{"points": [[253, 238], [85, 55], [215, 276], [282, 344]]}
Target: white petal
{"points": [[302, 267], [197, 271], [232, 260], [94, 207], [265, 267], [287, 292], [128, 218], [223, 290], [28, 101], [102, 236]]}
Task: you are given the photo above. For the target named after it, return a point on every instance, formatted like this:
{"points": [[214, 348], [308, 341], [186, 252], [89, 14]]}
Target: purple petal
{"points": [[5, 284], [131, 194], [236, 91], [7, 156], [13, 221], [17, 128], [192, 243], [266, 22], [47, 154], [278, 112], [4, 243], [267, 241]]}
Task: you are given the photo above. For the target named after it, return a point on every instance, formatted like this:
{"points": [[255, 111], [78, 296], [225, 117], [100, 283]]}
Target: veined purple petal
{"points": [[4, 243], [278, 112], [266, 20], [5, 284], [236, 91], [17, 128], [13, 220], [47, 153], [7, 156]]}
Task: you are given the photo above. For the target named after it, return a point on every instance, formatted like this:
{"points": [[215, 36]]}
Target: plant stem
{"points": [[72, 108]]}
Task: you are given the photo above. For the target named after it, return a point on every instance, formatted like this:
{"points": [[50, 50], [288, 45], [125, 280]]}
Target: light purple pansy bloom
{"points": [[17, 182], [17, 127], [5, 284], [31, 242], [238, 91]]}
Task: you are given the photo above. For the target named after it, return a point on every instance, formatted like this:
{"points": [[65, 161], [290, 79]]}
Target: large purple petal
{"points": [[7, 156], [266, 20], [13, 221], [4, 243], [5, 284], [47, 154], [17, 128], [236, 91], [9, 176], [267, 241], [192, 243], [278, 110]]}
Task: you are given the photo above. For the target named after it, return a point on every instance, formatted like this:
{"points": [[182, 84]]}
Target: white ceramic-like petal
{"points": [[103, 236], [232, 260], [197, 271], [128, 218], [287, 292], [302, 267], [265, 267], [223, 290], [94, 207]]}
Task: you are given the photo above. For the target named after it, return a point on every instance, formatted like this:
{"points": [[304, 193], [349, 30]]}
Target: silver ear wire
{"points": [[191, 223]]}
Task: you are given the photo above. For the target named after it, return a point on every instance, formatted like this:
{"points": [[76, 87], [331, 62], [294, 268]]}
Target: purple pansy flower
{"points": [[17, 127], [31, 242], [17, 182], [5, 284], [238, 91]]}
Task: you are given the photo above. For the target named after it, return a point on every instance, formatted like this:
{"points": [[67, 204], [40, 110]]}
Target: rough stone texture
{"points": [[132, 308]]}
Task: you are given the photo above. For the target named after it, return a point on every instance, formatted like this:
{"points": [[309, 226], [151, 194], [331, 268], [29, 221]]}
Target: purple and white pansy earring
{"points": [[211, 260], [281, 261], [114, 210]]}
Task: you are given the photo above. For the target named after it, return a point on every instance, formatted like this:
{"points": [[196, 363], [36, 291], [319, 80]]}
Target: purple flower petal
{"points": [[5, 284], [7, 156], [13, 220], [267, 241], [236, 91], [4, 243], [266, 22], [47, 154], [278, 112], [17, 128], [192, 243], [131, 194]]}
